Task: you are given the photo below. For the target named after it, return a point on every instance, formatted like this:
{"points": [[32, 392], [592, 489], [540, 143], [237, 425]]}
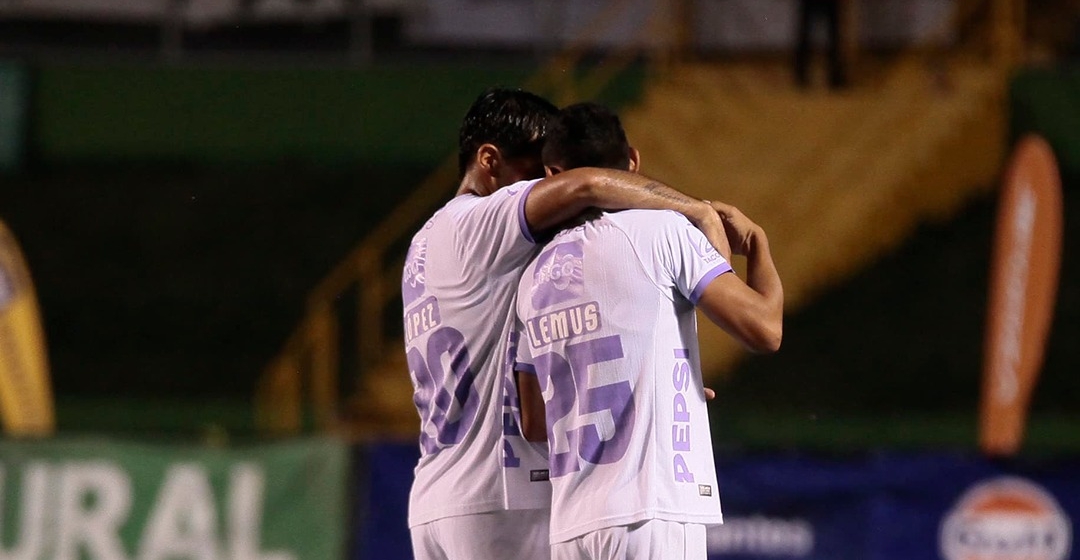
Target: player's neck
{"points": [[474, 183]]}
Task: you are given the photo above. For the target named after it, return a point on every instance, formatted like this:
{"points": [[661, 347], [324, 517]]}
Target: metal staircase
{"points": [[835, 179]]}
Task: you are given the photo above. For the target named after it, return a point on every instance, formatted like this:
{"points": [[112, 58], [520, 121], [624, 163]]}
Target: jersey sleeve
{"points": [[492, 229], [688, 257]]}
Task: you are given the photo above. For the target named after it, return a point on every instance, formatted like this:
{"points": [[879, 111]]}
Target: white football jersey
{"points": [[458, 288], [608, 326]]}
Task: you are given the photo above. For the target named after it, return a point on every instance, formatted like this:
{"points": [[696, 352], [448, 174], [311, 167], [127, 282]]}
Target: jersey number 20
{"points": [[446, 400]]}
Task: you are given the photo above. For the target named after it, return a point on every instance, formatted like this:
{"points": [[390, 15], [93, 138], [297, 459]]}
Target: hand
{"points": [[713, 227], [740, 229]]}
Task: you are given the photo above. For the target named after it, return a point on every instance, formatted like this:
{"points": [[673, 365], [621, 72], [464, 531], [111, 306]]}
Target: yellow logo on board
{"points": [[26, 400]]}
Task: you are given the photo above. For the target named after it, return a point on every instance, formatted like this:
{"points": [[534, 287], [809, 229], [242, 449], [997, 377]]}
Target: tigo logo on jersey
{"points": [[705, 250], [1006, 518], [559, 276]]}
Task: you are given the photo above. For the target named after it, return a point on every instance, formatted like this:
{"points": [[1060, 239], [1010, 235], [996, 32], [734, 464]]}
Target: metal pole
{"points": [[361, 29], [1020, 15], [550, 15], [172, 31], [324, 371], [1007, 34], [849, 35], [682, 28]]}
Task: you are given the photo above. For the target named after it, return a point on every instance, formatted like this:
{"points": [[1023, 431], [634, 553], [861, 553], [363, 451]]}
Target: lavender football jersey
{"points": [[608, 326], [458, 288]]}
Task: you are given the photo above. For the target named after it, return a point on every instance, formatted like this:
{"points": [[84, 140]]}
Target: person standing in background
{"points": [[839, 41]]}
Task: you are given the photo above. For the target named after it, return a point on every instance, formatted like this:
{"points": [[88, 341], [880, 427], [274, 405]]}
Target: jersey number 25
{"points": [[599, 432]]}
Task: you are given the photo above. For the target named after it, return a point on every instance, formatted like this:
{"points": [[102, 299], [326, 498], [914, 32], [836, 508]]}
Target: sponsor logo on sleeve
{"points": [[412, 280], [705, 250]]}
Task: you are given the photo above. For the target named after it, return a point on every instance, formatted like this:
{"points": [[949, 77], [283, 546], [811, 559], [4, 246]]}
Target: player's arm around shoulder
{"points": [[563, 196], [751, 311]]}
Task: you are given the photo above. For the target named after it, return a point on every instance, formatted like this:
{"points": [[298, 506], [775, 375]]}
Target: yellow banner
{"points": [[26, 400], [1023, 288]]}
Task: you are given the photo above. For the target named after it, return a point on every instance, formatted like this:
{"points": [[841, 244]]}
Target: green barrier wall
{"points": [[403, 113], [108, 500], [241, 114]]}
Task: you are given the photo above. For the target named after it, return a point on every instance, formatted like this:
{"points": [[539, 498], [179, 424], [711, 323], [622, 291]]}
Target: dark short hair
{"points": [[587, 135], [513, 120]]}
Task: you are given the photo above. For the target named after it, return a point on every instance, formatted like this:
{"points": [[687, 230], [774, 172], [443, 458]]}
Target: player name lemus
{"points": [[564, 323]]}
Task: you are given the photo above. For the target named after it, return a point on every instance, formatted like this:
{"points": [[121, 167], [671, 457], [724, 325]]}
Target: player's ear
{"points": [[635, 160], [550, 170], [488, 159]]}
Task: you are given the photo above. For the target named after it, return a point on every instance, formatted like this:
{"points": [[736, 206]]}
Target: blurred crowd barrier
{"points": [[886, 506], [319, 499]]}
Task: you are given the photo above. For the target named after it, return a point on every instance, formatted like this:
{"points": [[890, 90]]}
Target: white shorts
{"points": [[655, 539], [520, 534]]}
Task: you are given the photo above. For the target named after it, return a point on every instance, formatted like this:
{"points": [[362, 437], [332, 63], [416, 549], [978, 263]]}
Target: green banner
{"points": [[104, 500]]}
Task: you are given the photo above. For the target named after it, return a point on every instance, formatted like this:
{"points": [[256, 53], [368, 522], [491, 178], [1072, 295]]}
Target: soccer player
{"points": [[475, 495], [609, 347]]}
